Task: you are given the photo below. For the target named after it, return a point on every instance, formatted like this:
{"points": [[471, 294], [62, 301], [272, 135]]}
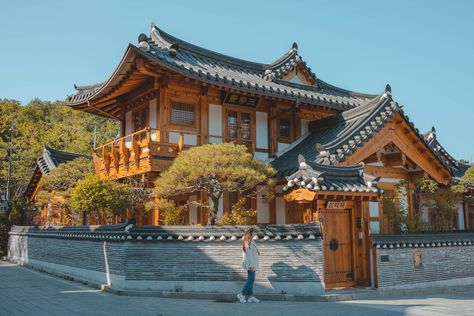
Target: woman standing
{"points": [[249, 263]]}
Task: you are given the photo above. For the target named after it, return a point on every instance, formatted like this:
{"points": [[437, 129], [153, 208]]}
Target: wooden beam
{"points": [[386, 172]]}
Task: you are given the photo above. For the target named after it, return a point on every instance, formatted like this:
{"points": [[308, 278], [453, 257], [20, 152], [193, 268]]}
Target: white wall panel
{"points": [[263, 216], [261, 119], [153, 118], [215, 120], [193, 219], [280, 210], [304, 126]]}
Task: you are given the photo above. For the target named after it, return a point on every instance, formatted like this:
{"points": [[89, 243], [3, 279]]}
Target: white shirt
{"points": [[250, 256]]}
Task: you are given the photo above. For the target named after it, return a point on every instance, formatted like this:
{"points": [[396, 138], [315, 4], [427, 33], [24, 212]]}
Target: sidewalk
{"points": [[332, 295], [28, 292]]}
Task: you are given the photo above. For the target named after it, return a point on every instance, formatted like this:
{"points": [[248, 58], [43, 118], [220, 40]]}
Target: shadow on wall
{"points": [[167, 258], [286, 273]]}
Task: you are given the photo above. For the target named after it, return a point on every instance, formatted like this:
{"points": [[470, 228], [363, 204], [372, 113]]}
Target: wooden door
{"points": [[295, 212], [239, 127], [337, 248]]}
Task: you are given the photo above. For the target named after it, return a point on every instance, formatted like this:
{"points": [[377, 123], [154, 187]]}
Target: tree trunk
{"points": [[84, 218], [213, 207]]}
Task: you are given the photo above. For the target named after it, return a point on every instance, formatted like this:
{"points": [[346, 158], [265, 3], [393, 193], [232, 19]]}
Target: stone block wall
{"points": [[175, 259], [410, 261]]}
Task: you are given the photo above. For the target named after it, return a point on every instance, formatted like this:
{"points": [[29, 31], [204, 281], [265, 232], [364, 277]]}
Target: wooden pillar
{"points": [[204, 114], [155, 213], [163, 113], [272, 211], [411, 196], [272, 130], [466, 216]]}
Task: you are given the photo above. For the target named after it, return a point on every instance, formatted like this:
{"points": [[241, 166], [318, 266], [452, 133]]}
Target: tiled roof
{"points": [[52, 158], [456, 168], [424, 240], [205, 65], [344, 133], [320, 177], [126, 232]]}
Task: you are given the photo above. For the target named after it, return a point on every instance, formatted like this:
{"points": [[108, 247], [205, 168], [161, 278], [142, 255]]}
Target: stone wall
{"points": [[204, 259], [425, 260]]}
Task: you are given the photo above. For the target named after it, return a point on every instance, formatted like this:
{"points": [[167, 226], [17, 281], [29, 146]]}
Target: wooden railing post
{"points": [[115, 158], [136, 151], [125, 152], [106, 159]]}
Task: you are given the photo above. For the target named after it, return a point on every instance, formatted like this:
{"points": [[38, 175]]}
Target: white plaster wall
{"points": [[220, 210], [425, 212], [461, 224], [282, 146], [215, 123], [188, 139], [128, 123], [263, 211], [296, 79], [261, 119], [280, 210], [374, 209], [304, 126], [260, 156], [193, 218], [153, 117], [128, 128]]}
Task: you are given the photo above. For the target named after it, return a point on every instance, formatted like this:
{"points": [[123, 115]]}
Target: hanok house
{"points": [[49, 161], [335, 150]]}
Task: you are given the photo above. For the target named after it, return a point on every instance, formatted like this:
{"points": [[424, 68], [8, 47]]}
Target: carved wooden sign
{"points": [[239, 99], [336, 205], [300, 195]]}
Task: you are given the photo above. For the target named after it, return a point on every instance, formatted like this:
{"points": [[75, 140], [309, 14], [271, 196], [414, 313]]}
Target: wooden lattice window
{"points": [[284, 128], [183, 114]]}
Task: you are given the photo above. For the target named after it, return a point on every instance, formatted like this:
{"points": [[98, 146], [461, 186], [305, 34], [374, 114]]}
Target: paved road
{"points": [[27, 292]]}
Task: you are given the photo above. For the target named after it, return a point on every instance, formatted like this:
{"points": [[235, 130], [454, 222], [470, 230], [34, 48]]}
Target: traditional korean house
{"points": [[336, 151], [49, 161]]}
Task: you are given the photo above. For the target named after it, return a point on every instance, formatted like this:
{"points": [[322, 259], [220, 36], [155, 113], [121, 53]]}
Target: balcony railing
{"points": [[141, 151]]}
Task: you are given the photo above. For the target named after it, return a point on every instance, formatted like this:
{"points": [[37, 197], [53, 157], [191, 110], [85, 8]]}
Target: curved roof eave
{"points": [[102, 88]]}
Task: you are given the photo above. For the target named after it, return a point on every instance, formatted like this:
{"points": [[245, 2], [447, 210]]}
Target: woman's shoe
{"points": [[253, 299], [241, 298]]}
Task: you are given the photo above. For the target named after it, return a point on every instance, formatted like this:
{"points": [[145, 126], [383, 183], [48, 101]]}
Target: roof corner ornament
{"points": [[143, 42], [294, 46], [302, 162], [174, 49], [323, 155], [387, 93], [431, 134]]}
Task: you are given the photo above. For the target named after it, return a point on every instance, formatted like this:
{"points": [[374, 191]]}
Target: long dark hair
{"points": [[247, 237]]}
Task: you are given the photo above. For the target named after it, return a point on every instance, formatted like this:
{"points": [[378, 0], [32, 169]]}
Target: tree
{"points": [[213, 169], [466, 184], [25, 129], [102, 200], [55, 188], [170, 213], [21, 211], [238, 215], [4, 229]]}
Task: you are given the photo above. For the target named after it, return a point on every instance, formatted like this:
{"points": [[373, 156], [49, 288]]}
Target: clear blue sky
{"points": [[424, 49]]}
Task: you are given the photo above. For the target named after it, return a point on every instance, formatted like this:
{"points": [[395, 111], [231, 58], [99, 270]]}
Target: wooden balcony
{"points": [[140, 152]]}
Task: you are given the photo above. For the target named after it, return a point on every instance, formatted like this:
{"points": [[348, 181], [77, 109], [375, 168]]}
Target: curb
{"points": [[356, 294]]}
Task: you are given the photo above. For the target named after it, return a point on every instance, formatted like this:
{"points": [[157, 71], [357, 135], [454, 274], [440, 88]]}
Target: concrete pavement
{"points": [[27, 292]]}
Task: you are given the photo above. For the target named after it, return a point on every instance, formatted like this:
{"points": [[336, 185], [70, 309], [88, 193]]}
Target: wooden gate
{"points": [[295, 212], [337, 248]]}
